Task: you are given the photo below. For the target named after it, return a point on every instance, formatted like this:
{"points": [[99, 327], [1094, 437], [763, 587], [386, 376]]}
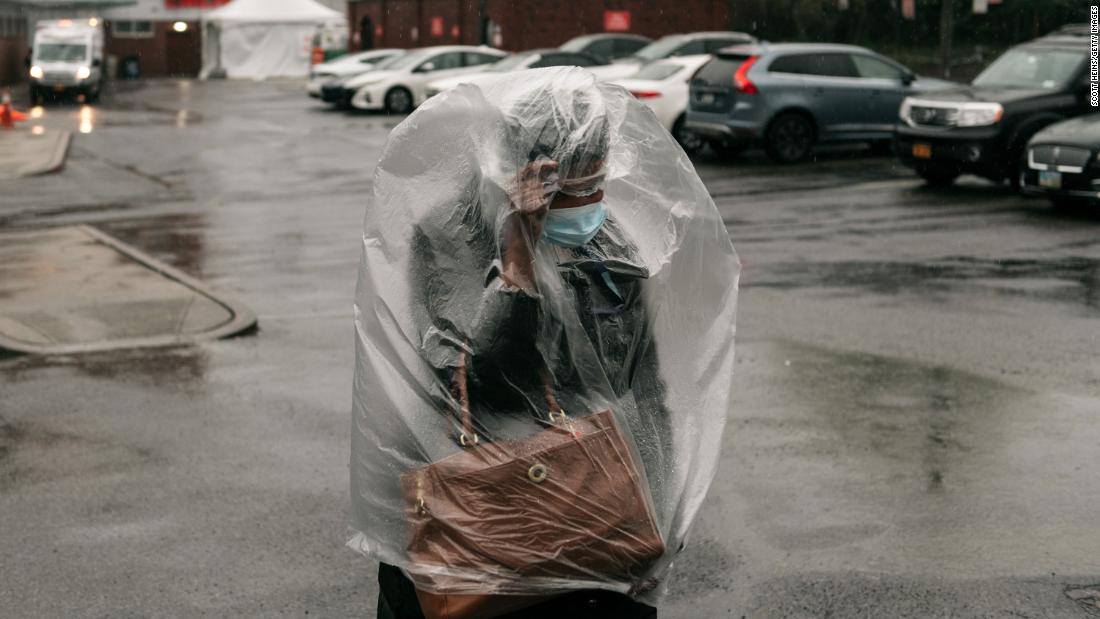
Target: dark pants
{"points": [[397, 600]]}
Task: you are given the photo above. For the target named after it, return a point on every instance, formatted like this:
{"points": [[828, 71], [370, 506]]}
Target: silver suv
{"points": [[790, 96]]}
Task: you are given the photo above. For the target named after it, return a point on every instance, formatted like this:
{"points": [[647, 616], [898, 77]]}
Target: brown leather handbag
{"points": [[567, 502]]}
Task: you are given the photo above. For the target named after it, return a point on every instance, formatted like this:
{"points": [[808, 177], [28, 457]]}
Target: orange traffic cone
{"points": [[8, 115], [7, 119]]}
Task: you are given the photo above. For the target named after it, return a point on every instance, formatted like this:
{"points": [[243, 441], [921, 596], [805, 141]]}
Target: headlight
{"points": [[83, 73], [36, 72], [980, 114]]}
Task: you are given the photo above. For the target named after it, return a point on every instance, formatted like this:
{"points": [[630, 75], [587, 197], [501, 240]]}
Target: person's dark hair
{"points": [[569, 126]]}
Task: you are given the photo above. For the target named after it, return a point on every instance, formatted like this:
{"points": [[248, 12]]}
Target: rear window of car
{"points": [[720, 69], [657, 71]]}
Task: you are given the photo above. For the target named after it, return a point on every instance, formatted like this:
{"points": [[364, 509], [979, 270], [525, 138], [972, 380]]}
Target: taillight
{"points": [[741, 79], [645, 94]]}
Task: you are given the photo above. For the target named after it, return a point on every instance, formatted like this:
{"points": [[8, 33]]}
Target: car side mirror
{"points": [[908, 78], [427, 67]]}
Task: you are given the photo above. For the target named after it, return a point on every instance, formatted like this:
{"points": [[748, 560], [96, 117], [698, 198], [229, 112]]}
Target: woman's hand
{"points": [[530, 195], [530, 203]]}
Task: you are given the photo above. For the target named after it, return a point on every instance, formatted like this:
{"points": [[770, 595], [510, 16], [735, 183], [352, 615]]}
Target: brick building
{"points": [[524, 24], [165, 36], [13, 43]]}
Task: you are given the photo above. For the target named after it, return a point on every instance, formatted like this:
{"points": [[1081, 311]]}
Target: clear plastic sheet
{"points": [[475, 333]]}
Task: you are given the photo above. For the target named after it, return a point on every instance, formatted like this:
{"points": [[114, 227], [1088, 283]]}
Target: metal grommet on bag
{"points": [[466, 441], [538, 473]]}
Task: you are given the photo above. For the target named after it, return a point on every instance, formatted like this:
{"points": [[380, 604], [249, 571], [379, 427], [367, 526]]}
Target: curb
{"points": [[52, 162], [243, 319]]}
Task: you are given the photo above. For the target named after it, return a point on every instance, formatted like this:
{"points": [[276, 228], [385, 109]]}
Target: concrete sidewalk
{"points": [[75, 289], [23, 153]]}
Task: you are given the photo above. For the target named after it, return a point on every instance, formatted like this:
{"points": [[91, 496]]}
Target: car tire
{"points": [[790, 138], [938, 177], [398, 100], [688, 140]]}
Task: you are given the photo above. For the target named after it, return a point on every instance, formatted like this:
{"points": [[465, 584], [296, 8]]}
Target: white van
{"points": [[67, 57]]}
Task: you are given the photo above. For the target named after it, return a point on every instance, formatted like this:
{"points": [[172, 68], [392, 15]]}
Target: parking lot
{"points": [[913, 433]]}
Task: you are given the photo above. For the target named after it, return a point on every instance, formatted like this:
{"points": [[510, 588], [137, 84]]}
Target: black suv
{"points": [[983, 128]]}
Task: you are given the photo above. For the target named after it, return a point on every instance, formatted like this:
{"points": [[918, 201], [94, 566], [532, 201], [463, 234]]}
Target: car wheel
{"points": [[937, 176], [790, 138], [689, 140], [399, 101]]}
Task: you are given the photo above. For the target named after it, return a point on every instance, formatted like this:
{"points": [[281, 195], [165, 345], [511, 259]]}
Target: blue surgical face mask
{"points": [[573, 227]]}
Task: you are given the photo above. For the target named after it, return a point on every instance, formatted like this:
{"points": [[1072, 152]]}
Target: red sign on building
{"points": [[616, 21], [437, 26]]}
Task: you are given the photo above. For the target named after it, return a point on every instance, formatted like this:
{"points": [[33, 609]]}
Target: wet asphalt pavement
{"points": [[916, 429]]}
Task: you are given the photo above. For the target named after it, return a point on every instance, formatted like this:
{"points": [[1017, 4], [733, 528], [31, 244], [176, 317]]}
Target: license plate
{"points": [[59, 88], [706, 99], [1050, 180], [922, 151]]}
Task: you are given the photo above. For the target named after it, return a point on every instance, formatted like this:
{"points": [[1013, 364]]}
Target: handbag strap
{"points": [[460, 390]]}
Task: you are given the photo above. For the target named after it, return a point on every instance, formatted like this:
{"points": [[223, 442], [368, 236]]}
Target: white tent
{"points": [[257, 39]]}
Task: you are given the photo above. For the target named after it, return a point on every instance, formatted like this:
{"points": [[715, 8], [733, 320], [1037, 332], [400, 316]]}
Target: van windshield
{"points": [[61, 52], [1031, 68]]}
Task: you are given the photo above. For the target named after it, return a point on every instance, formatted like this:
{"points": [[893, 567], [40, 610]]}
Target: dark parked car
{"points": [[607, 46], [789, 96], [984, 127], [1061, 162]]}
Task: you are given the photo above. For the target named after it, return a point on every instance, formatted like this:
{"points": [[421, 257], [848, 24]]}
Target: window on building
{"points": [[139, 29]]}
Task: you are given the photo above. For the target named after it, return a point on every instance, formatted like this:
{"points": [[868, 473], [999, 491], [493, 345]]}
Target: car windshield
{"points": [[657, 71], [385, 64], [661, 48], [61, 52], [408, 60], [1031, 68], [576, 44], [509, 63]]}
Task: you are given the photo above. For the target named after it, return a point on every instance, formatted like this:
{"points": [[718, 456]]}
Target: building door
{"points": [[183, 53], [366, 33]]}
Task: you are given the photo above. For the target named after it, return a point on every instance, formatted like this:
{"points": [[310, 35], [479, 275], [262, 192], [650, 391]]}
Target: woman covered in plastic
{"points": [[545, 321]]}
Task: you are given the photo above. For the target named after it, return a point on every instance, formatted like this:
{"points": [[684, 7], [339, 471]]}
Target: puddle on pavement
{"points": [[175, 239], [1074, 279], [181, 367], [912, 418], [45, 450]]}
